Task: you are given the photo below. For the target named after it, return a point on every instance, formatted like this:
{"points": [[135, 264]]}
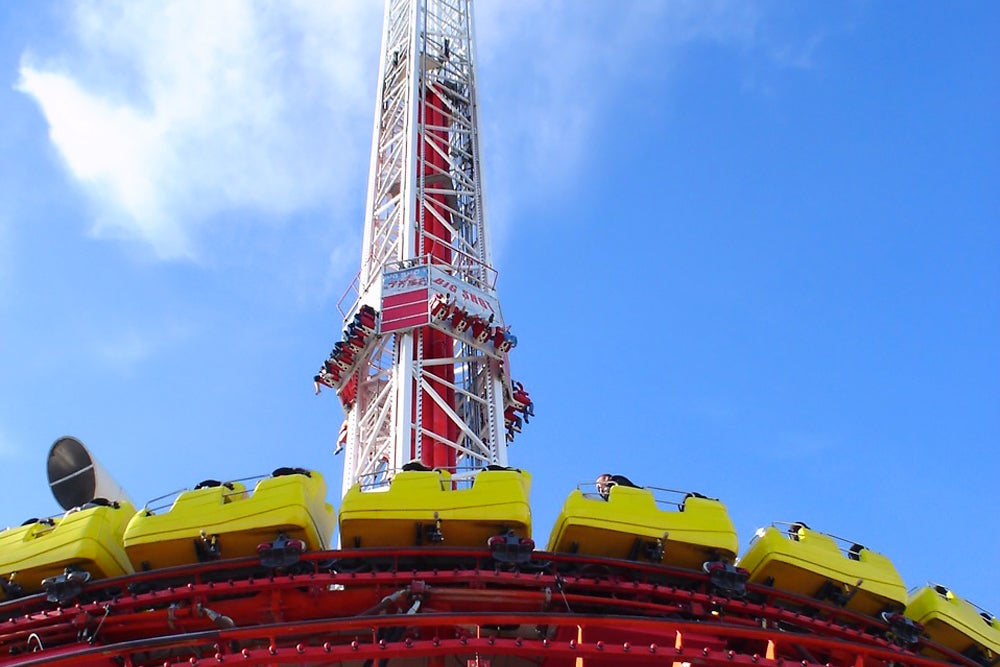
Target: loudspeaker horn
{"points": [[76, 477]]}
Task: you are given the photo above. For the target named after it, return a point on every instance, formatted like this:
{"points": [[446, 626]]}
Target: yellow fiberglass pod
{"points": [[955, 623], [85, 539], [806, 562], [431, 507], [630, 524], [217, 520]]}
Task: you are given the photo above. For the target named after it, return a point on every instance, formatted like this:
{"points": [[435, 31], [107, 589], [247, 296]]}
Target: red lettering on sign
{"points": [[446, 285]]}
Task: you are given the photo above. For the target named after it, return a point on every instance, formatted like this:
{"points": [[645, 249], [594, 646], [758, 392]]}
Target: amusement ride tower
{"points": [[422, 368]]}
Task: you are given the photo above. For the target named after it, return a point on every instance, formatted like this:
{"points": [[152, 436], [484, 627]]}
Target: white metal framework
{"points": [[422, 370]]}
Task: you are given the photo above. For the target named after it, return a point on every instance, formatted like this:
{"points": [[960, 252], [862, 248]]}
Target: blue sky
{"points": [[750, 250]]}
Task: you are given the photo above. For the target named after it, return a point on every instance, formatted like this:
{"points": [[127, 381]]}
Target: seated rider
{"points": [[606, 480]]}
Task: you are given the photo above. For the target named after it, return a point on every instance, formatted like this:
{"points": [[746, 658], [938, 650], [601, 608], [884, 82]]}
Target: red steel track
{"points": [[440, 607]]}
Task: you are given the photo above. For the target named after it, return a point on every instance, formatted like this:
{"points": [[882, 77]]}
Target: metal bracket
{"points": [[66, 586], [282, 552]]}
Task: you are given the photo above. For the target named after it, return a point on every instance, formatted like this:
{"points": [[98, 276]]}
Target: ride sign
{"points": [[404, 299], [472, 300]]}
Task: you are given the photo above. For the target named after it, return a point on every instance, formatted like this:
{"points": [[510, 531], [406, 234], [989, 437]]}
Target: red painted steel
{"points": [[429, 604], [434, 241]]}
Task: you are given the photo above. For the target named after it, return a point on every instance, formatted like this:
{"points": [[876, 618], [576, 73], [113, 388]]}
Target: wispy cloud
{"points": [[8, 450], [170, 113], [800, 445], [798, 55], [125, 350], [5, 257], [559, 68]]}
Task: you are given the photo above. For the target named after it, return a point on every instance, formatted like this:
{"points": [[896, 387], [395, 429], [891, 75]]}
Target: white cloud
{"points": [[5, 257], [799, 445], [558, 68], [114, 150], [170, 113], [8, 450], [798, 55], [127, 349]]}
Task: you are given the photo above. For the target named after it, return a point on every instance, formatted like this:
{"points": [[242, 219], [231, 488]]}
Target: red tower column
{"points": [[437, 250]]}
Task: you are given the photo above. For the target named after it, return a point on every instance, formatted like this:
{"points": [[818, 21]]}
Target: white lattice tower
{"points": [[422, 370]]}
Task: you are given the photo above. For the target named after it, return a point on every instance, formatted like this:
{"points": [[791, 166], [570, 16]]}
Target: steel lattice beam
{"points": [[426, 391]]}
